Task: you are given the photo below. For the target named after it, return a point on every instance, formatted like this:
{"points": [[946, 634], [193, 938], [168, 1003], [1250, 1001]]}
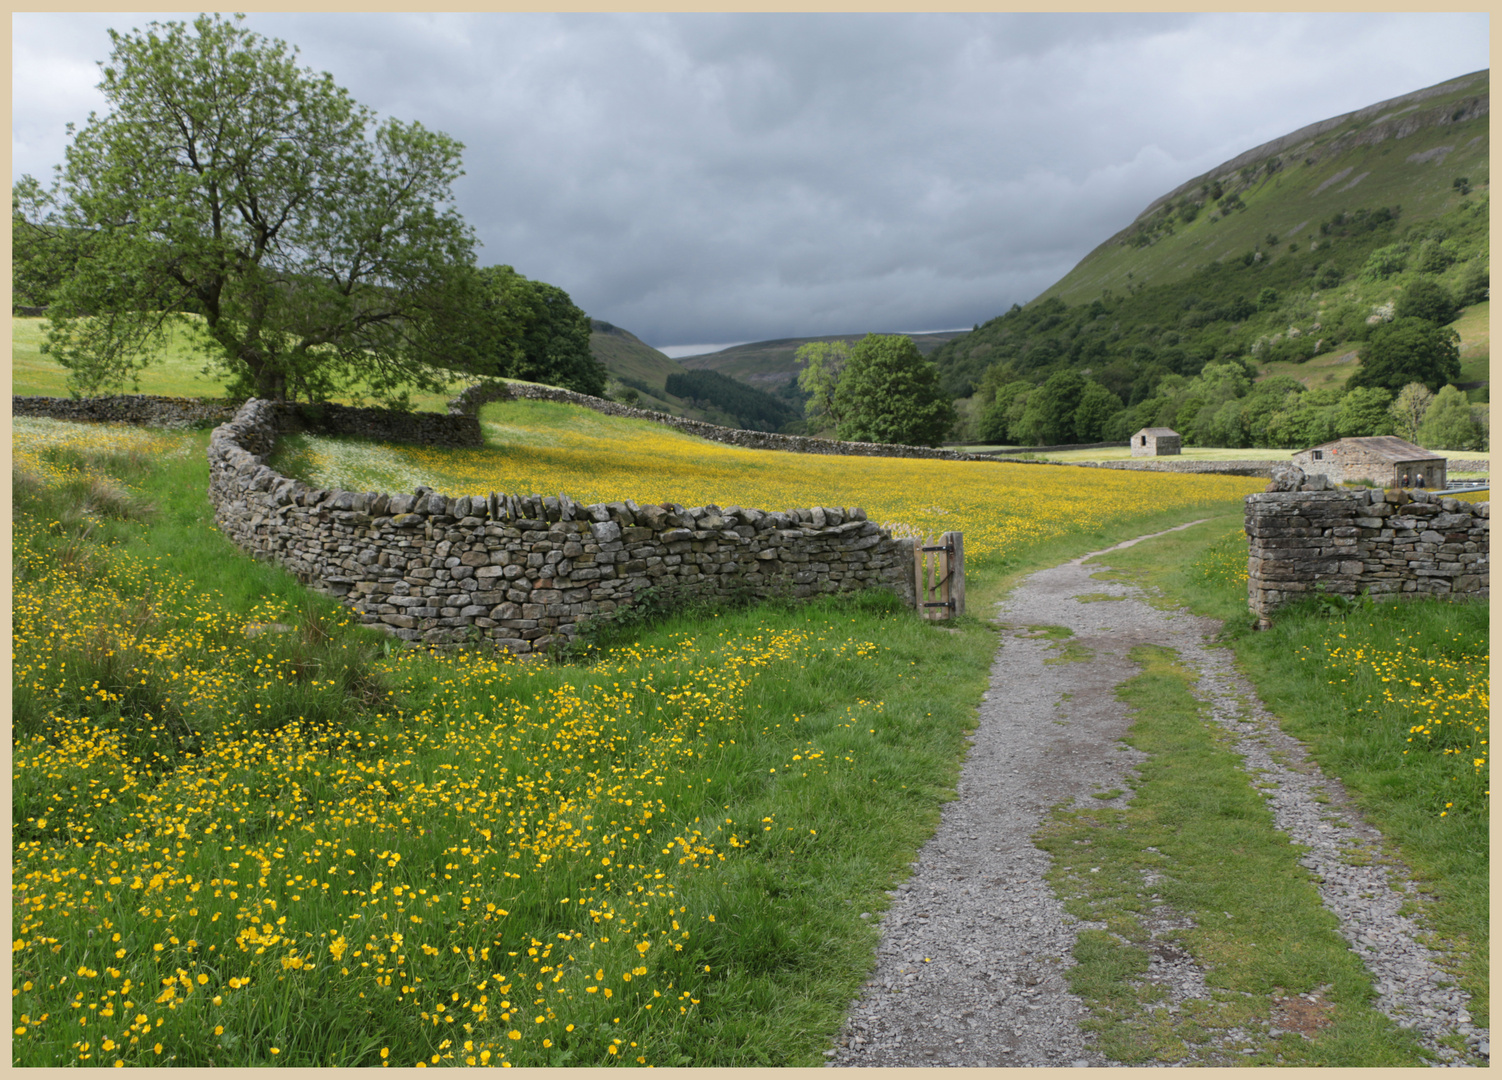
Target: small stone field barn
{"points": [[1155, 442], [1385, 460]]}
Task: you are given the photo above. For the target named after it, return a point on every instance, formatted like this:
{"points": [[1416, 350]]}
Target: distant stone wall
{"points": [[1239, 467], [526, 572], [146, 409], [1388, 544], [385, 425], [470, 400], [1049, 449]]}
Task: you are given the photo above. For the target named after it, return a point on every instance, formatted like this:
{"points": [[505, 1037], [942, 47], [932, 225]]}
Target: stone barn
{"points": [[1385, 460], [1155, 442]]}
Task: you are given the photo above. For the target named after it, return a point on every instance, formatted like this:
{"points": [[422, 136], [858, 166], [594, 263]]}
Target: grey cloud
{"points": [[732, 177]]}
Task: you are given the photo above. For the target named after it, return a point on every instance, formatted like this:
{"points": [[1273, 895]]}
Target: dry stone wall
{"points": [[1234, 467], [1387, 544], [526, 571]]}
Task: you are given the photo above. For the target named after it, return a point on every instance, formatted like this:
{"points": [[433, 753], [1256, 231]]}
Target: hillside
{"points": [[1406, 151], [634, 363], [1273, 270], [770, 364], [711, 396]]}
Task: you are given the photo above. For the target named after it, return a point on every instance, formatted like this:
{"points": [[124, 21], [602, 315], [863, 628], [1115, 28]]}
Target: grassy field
{"points": [[1475, 330], [545, 448], [247, 832], [1327, 371], [1331, 369], [178, 373]]}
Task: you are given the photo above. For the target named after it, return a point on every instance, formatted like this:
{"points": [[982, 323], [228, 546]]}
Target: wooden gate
{"points": [[941, 577]]}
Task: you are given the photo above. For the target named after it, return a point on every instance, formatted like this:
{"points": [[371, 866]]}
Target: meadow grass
{"points": [[546, 448], [1391, 698], [246, 832]]}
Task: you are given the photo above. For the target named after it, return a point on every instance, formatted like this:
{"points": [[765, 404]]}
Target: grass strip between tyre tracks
{"points": [[1197, 841]]}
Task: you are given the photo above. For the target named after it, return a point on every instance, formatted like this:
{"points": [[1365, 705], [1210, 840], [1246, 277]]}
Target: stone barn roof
{"points": [[1158, 431], [1379, 448]]}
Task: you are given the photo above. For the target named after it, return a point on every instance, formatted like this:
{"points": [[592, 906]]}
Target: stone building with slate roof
{"points": [[1385, 460], [1155, 442]]}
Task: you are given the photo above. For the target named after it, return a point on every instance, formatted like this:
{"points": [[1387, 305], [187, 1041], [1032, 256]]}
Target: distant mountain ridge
{"points": [[655, 377], [1279, 262]]}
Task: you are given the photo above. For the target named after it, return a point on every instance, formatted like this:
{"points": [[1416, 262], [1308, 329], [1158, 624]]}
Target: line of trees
{"points": [[311, 249]]}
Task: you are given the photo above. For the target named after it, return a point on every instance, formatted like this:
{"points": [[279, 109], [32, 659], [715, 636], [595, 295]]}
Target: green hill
{"points": [[725, 400], [1406, 152], [634, 363]]}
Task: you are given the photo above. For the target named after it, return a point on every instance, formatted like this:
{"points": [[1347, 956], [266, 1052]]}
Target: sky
{"points": [[706, 179]]}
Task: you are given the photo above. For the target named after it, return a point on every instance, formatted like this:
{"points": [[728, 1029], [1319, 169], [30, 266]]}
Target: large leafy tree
{"points": [[1005, 411], [1409, 408], [229, 190], [1426, 298], [1409, 350], [1048, 419], [1364, 411], [1096, 408], [890, 394]]}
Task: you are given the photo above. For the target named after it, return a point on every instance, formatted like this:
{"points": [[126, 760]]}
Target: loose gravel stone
{"points": [[970, 966]]}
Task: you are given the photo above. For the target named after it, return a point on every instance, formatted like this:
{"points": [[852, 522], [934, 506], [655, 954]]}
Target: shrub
{"points": [[1427, 299]]}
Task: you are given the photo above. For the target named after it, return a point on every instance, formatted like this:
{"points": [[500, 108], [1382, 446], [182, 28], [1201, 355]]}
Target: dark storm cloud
{"points": [[711, 178]]}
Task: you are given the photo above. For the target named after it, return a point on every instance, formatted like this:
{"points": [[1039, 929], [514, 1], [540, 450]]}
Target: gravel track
{"points": [[974, 945]]}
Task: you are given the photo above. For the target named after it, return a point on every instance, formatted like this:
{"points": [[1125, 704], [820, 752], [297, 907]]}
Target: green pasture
{"points": [[179, 372]]}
